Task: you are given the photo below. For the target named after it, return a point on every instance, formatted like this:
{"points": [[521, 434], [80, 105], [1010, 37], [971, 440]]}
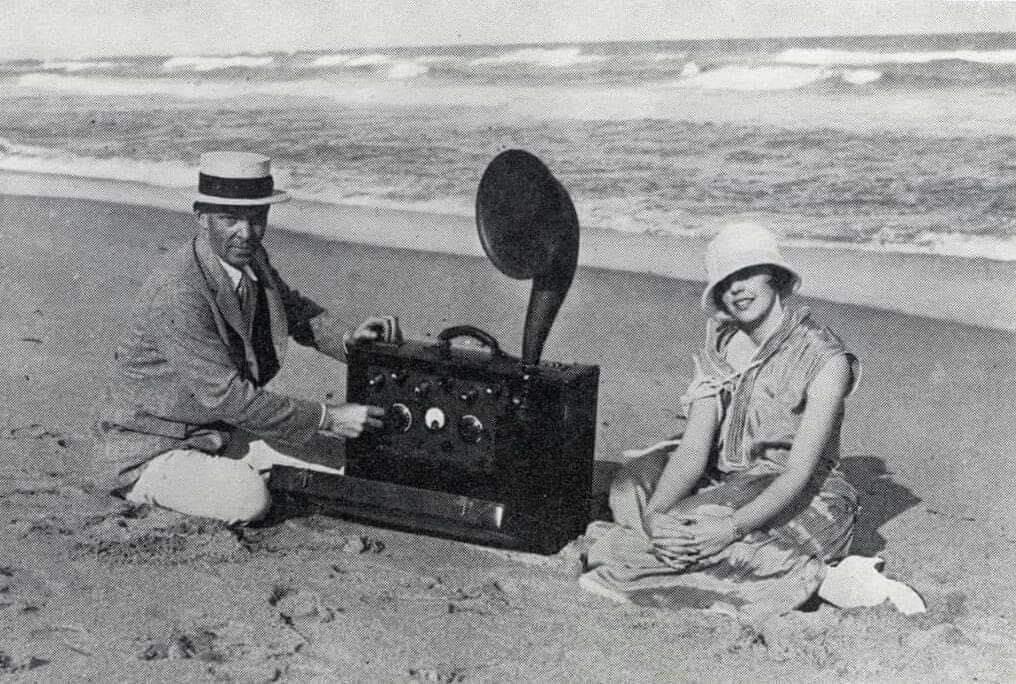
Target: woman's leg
{"points": [[197, 483], [633, 485]]}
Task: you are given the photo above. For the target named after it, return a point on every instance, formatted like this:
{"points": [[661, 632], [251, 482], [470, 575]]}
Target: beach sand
{"points": [[90, 589]]}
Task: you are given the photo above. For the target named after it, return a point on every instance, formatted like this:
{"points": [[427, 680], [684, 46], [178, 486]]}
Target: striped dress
{"points": [[772, 569]]}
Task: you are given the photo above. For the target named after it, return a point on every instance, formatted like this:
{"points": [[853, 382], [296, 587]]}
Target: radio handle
{"points": [[446, 336]]}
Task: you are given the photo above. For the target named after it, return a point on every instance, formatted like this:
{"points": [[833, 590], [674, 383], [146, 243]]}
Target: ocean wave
{"points": [[548, 57], [402, 71], [82, 65], [369, 60], [951, 244], [828, 57], [737, 77], [311, 88], [323, 61], [216, 63], [668, 56], [397, 69], [861, 76], [33, 159], [610, 213], [128, 87], [186, 90]]}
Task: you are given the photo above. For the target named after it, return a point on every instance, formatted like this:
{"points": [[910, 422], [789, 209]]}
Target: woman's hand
{"points": [[692, 537], [670, 541], [710, 533]]}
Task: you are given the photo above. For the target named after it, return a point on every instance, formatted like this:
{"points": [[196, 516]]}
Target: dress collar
{"points": [[719, 336]]}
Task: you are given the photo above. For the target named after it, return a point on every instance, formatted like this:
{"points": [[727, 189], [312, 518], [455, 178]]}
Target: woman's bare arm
{"points": [[688, 461], [824, 406]]}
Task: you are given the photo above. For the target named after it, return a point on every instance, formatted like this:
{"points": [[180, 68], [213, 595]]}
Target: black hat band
{"points": [[235, 188]]}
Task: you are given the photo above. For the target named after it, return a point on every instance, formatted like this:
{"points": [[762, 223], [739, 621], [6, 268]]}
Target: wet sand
{"points": [[92, 589]]}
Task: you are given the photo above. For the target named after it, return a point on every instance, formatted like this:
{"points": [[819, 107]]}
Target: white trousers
{"points": [[230, 487]]}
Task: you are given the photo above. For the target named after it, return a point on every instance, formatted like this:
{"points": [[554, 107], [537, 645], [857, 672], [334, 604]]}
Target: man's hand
{"points": [[377, 328], [350, 420]]}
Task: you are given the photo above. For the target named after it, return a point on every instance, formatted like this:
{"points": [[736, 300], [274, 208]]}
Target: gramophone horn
{"points": [[529, 229]]}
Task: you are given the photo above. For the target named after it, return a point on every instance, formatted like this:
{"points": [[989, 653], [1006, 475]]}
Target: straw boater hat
{"points": [[739, 246], [241, 179]]}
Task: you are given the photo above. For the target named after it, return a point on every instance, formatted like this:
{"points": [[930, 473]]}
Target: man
{"points": [[188, 412]]}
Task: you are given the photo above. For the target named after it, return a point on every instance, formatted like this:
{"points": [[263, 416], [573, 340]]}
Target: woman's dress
{"points": [[775, 568]]}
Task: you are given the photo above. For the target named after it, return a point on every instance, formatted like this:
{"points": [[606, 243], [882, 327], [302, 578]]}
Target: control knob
{"points": [[470, 429], [434, 419], [398, 418]]}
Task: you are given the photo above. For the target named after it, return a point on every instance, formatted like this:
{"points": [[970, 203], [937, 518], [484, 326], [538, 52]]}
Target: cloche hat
{"points": [[738, 246], [240, 179]]}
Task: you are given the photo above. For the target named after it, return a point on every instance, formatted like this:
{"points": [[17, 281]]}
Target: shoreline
{"points": [[974, 292]]}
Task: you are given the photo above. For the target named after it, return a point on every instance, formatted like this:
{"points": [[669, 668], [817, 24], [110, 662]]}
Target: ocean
{"points": [[892, 143]]}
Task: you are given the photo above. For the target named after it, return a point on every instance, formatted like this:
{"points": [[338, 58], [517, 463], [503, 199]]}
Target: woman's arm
{"points": [[687, 463], [824, 405], [711, 534]]}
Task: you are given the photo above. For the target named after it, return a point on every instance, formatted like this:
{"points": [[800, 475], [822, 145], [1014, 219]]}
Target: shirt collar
{"points": [[234, 273]]}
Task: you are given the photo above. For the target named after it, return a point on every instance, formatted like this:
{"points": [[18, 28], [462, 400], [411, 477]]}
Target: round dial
{"points": [[470, 429], [398, 418], [434, 419]]}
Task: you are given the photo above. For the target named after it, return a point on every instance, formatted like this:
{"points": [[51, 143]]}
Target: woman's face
{"points": [[748, 295]]}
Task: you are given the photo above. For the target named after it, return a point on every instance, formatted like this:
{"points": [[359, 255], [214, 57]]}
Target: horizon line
{"points": [[421, 46]]}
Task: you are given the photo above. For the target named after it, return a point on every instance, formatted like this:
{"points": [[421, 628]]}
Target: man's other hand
{"points": [[350, 420], [379, 329]]}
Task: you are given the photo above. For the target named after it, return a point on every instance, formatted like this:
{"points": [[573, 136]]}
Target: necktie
{"points": [[246, 291]]}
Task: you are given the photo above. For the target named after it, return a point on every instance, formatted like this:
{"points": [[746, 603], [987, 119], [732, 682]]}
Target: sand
{"points": [[91, 589]]}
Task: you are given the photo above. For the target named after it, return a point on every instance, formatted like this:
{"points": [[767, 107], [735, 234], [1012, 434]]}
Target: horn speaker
{"points": [[529, 229]]}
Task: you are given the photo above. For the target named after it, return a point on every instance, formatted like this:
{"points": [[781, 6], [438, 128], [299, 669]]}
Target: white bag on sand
{"points": [[856, 582]]}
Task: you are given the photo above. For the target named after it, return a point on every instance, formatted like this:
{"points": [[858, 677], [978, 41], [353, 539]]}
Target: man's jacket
{"points": [[185, 373]]}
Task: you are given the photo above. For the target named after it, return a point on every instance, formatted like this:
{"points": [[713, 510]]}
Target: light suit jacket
{"points": [[184, 372]]}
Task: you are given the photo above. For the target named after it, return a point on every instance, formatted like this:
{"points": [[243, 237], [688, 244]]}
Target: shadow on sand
{"points": [[881, 500]]}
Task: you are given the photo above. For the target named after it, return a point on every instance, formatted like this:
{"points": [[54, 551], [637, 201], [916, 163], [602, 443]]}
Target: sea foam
{"points": [[861, 76], [34, 159], [330, 60], [198, 63], [548, 57], [820, 56], [83, 65], [755, 78]]}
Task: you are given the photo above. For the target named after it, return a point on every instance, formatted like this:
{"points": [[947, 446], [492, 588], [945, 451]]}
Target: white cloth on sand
{"points": [[856, 581]]}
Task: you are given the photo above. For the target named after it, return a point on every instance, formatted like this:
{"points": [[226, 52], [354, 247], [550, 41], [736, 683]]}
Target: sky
{"points": [[60, 29]]}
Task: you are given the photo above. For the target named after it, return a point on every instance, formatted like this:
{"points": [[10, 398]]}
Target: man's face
{"points": [[235, 233]]}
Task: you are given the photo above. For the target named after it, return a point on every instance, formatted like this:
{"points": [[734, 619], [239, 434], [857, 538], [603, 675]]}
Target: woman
{"points": [[748, 508]]}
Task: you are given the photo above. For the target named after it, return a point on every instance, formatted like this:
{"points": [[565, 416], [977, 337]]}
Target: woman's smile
{"points": [[749, 297], [743, 303]]}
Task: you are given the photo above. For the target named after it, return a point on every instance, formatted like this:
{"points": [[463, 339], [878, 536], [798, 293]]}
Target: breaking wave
{"points": [[216, 63], [548, 57], [755, 78], [82, 65], [861, 76], [35, 159], [821, 56]]}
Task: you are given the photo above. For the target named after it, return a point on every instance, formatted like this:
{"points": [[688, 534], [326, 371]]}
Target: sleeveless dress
{"points": [[775, 568]]}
